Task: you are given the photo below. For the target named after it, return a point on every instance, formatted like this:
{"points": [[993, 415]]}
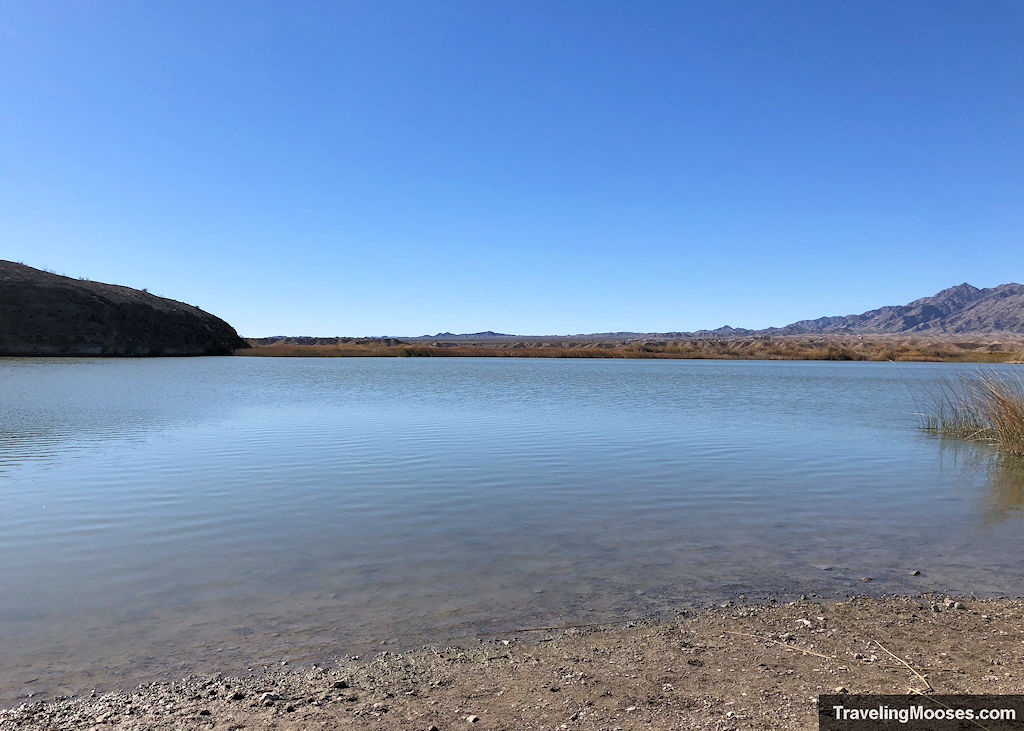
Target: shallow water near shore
{"points": [[167, 516]]}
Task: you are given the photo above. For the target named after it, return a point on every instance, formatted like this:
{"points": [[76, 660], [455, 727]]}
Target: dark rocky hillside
{"points": [[47, 314]]}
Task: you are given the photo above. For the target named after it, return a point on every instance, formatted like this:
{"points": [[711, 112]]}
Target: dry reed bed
{"points": [[981, 406], [761, 348]]}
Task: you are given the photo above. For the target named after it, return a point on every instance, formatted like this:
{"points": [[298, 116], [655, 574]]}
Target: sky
{"points": [[392, 167]]}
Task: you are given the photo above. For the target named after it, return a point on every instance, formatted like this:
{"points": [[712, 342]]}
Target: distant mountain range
{"points": [[470, 336], [962, 309], [42, 313]]}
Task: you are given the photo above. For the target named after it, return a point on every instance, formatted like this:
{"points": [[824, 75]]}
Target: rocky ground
{"points": [[739, 666]]}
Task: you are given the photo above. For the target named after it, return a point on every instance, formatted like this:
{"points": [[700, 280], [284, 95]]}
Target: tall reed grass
{"points": [[980, 406]]}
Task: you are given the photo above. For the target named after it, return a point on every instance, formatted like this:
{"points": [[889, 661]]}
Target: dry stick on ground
{"points": [[937, 701], [928, 686], [902, 662], [794, 648]]}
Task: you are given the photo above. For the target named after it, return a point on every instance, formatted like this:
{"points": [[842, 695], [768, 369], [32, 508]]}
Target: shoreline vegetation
{"points": [[979, 407], [740, 665], [976, 349]]}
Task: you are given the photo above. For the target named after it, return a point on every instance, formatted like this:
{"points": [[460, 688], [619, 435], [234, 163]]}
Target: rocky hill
{"points": [[958, 310], [47, 314]]}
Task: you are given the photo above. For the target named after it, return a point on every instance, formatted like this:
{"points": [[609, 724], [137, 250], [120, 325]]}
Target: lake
{"points": [[168, 516]]}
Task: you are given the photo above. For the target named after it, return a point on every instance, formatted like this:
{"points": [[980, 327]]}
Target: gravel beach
{"points": [[736, 666]]}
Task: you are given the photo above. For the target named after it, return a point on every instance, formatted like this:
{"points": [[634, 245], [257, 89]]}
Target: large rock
{"points": [[47, 314]]}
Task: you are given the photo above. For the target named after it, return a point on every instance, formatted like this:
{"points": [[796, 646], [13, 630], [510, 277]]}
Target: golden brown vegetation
{"points": [[980, 406], [749, 348]]}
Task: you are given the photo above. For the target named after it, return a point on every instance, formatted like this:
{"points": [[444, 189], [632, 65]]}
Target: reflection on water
{"points": [[1006, 487], [979, 464], [167, 516]]}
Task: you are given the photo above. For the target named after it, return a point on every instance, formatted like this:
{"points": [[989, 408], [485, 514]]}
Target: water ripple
{"points": [[155, 507]]}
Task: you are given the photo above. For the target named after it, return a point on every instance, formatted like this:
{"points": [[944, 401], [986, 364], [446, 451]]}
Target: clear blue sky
{"points": [[392, 167]]}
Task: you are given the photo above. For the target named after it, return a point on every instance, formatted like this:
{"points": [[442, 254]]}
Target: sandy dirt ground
{"points": [[735, 667]]}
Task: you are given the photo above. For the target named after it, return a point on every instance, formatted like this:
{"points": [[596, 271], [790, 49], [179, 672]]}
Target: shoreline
{"points": [[740, 665], [949, 349]]}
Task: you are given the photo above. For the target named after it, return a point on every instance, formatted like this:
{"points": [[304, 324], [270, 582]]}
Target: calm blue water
{"points": [[166, 516]]}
